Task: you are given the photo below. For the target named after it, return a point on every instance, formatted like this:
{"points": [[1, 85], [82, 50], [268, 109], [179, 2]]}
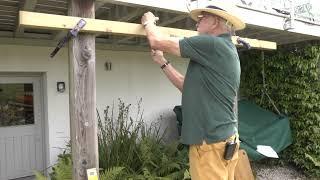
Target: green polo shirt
{"points": [[209, 91]]}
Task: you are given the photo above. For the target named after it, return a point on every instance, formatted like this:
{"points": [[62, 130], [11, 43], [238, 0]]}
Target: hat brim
{"points": [[237, 23]]}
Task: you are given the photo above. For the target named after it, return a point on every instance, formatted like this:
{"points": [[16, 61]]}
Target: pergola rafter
{"points": [[59, 22], [28, 5]]}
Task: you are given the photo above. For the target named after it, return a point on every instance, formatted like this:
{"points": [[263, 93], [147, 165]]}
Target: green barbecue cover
{"points": [[257, 126]]}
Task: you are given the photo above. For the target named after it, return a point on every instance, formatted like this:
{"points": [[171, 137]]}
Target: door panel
{"points": [[21, 131], [2, 160]]}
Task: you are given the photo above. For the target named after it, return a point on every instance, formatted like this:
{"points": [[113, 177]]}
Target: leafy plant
{"points": [[292, 81], [316, 161], [40, 176], [138, 147], [63, 168], [129, 148], [112, 173], [118, 137]]}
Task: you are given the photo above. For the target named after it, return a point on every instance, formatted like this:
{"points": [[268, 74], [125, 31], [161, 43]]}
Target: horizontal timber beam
{"points": [[59, 22]]}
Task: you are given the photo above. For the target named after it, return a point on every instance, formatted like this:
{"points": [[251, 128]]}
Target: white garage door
{"points": [[21, 131]]}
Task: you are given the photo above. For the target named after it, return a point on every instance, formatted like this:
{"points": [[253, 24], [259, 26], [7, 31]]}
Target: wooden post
{"points": [[82, 80]]}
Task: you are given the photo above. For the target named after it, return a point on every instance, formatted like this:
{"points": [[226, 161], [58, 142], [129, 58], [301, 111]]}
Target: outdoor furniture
{"points": [[258, 126]]}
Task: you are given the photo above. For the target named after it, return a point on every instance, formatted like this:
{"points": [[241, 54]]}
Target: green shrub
{"points": [[130, 149], [118, 137], [63, 169], [137, 147], [292, 81]]}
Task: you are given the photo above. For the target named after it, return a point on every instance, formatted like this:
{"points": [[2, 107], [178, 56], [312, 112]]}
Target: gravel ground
{"points": [[268, 172]]}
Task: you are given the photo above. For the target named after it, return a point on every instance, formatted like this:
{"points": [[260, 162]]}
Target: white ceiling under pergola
{"points": [[9, 18]]}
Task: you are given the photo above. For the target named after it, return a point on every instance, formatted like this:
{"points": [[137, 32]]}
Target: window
{"points": [[16, 104]]}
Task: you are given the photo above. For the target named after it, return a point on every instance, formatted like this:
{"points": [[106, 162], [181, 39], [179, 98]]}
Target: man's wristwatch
{"points": [[165, 65], [148, 22]]}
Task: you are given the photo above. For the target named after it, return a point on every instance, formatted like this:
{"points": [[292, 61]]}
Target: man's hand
{"points": [[148, 18], [158, 57], [173, 75], [156, 39]]}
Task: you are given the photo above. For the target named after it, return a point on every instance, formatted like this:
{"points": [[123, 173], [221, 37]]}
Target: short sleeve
{"points": [[197, 48]]}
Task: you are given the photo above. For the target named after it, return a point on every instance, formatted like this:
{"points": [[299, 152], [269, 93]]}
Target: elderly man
{"points": [[209, 89]]}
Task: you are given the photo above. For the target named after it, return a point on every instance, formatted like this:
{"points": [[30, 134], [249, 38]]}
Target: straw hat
{"points": [[223, 9]]}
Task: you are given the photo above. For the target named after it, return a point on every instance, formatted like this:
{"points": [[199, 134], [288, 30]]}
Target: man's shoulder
{"points": [[203, 36], [209, 38]]}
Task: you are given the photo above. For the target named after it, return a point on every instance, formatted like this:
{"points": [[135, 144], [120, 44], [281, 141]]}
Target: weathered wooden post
{"points": [[82, 79]]}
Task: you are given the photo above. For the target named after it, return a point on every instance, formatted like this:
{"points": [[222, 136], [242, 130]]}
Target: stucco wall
{"points": [[133, 76]]}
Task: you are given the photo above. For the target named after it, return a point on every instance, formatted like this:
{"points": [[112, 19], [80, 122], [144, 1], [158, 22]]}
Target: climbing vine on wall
{"points": [[292, 80]]}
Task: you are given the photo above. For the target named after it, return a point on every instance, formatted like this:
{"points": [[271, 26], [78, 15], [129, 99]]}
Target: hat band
{"points": [[215, 7]]}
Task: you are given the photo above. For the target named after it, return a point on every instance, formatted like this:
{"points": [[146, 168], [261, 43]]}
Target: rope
{"points": [[264, 89]]}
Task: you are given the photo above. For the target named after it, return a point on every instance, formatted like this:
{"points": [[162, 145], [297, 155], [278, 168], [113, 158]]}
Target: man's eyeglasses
{"points": [[204, 15]]}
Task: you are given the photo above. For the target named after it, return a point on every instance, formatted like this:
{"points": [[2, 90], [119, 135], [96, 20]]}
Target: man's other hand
{"points": [[158, 57]]}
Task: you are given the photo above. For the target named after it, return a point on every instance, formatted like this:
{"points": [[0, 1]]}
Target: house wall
{"points": [[133, 76]]}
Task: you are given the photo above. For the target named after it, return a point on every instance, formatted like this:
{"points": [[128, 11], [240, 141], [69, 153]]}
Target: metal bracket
{"points": [[245, 44], [71, 34]]}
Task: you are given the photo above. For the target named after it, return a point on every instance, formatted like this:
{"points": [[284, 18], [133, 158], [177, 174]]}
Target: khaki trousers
{"points": [[207, 162]]}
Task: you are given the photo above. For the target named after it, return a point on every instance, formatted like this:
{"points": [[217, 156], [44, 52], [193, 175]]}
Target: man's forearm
{"points": [[174, 76], [153, 35], [162, 42]]}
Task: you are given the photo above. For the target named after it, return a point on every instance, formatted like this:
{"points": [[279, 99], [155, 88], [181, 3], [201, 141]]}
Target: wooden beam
{"points": [[82, 95], [58, 22], [129, 17], [98, 5], [177, 6], [173, 20], [60, 34], [28, 5], [101, 9], [165, 23], [57, 36], [132, 15], [256, 44]]}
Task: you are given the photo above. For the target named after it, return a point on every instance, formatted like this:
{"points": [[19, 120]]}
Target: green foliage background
{"points": [[292, 81], [129, 149], [135, 149]]}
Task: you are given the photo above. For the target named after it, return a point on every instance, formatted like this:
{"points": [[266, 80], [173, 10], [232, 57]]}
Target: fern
{"points": [[178, 175], [113, 173], [62, 170], [40, 176], [315, 161], [186, 175], [169, 168]]}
